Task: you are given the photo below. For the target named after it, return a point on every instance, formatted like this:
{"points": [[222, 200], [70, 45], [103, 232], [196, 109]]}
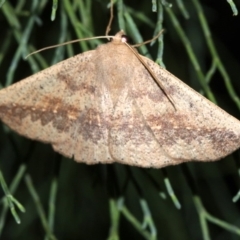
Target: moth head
{"points": [[120, 38]]}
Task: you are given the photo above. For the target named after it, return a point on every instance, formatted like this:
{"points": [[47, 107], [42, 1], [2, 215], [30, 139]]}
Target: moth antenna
{"points": [[150, 40], [63, 44], [108, 29], [152, 74]]}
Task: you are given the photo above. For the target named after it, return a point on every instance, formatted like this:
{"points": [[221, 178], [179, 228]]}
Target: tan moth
{"points": [[104, 106]]}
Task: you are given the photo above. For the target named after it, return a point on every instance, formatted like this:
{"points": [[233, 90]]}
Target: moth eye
{"points": [[126, 39]]}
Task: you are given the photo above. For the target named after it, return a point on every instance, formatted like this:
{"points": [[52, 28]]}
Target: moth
{"points": [[105, 106]]}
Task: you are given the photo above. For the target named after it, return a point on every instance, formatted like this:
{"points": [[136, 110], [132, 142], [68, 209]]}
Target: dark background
{"points": [[85, 193]]}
